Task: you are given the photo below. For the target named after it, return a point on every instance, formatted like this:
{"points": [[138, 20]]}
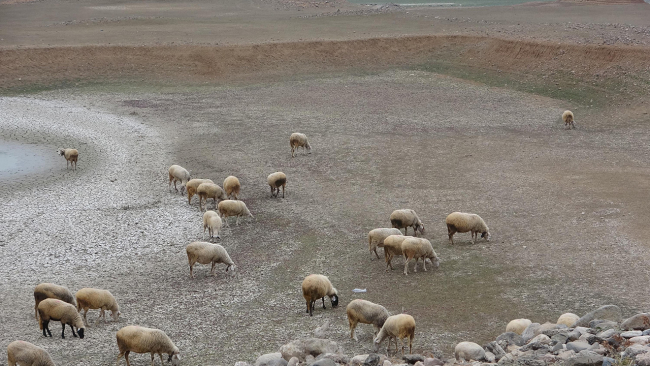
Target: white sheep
{"points": [[26, 354], [209, 190], [377, 236], [404, 218], [192, 186], [567, 117], [393, 247], [277, 180], [55, 309], [396, 327], [229, 208], [133, 338], [93, 298], [178, 174], [365, 312], [297, 140], [48, 290], [204, 253], [232, 187], [316, 287], [518, 325], [418, 248], [212, 222], [461, 222], [71, 156]]}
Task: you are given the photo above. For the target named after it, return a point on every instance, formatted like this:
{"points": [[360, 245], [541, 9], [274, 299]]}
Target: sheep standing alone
{"points": [[204, 253], [133, 338], [366, 312], [71, 156], [393, 247], [93, 298], [418, 248], [460, 222], [47, 290], [209, 190], [297, 140], [229, 208], [212, 222], [55, 309], [567, 117], [377, 236], [192, 186], [316, 287], [277, 180], [404, 218], [232, 187], [178, 174], [26, 354], [396, 327]]}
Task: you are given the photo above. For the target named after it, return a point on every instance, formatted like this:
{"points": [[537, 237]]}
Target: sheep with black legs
{"points": [[316, 287], [55, 309], [48, 290]]}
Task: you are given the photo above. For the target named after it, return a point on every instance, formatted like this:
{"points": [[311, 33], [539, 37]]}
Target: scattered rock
{"points": [[606, 333], [242, 363], [607, 312], [433, 362], [292, 362], [324, 362], [489, 357], [640, 340], [632, 334], [530, 332], [568, 319], [577, 346], [387, 363], [600, 324], [512, 338], [336, 357], [585, 358], [419, 363], [301, 348], [643, 360], [608, 361], [541, 338], [635, 349], [358, 360], [469, 351], [271, 359], [566, 355], [637, 322], [413, 358], [492, 347], [321, 331], [372, 360]]}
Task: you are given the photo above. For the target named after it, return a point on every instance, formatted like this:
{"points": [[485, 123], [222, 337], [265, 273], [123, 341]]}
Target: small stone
{"points": [[637, 322], [585, 358], [600, 325], [292, 362], [608, 361], [469, 351], [512, 338], [358, 360], [413, 358], [242, 363], [606, 333], [387, 363], [566, 355], [271, 359], [489, 357], [531, 331], [577, 346], [594, 339], [640, 340], [433, 362], [419, 363], [372, 360], [541, 338], [635, 349], [632, 334], [646, 332], [573, 336], [324, 362], [495, 349], [643, 360]]}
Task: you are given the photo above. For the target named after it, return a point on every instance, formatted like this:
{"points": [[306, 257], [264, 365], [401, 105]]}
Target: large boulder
{"points": [[301, 348], [637, 322], [568, 319], [495, 349], [271, 359], [531, 331], [469, 351], [643, 359], [518, 325], [585, 358], [607, 312]]}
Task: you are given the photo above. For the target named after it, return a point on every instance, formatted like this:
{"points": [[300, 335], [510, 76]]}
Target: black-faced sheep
{"points": [[377, 236], [277, 180], [404, 218], [567, 117], [212, 222], [178, 174], [192, 186], [209, 190], [393, 247], [396, 327], [47, 290], [460, 222], [229, 208], [204, 253], [232, 187], [71, 156], [366, 312], [418, 248], [133, 338], [93, 298], [55, 309], [26, 354], [316, 287], [297, 140]]}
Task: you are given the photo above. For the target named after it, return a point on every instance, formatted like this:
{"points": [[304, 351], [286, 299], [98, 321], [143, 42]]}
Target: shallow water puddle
{"points": [[18, 159]]}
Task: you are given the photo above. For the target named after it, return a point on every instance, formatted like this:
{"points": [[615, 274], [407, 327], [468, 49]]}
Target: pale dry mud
{"points": [[563, 208]]}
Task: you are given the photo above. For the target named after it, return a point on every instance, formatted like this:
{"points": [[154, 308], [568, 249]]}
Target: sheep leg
{"points": [[73, 333], [424, 264], [282, 191], [308, 305], [161, 359], [46, 327], [237, 221], [152, 356], [63, 330], [192, 270], [406, 266], [353, 324], [272, 192], [474, 235], [324, 303], [85, 319], [212, 269], [126, 357]]}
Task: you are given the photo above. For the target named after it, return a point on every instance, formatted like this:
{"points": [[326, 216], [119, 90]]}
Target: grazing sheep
{"points": [[567, 117], [568, 319], [133, 338], [232, 187], [418, 248], [277, 180], [55, 309], [396, 327], [46, 290], [204, 253], [393, 247], [229, 208], [316, 287], [178, 174], [26, 354], [192, 186], [518, 325], [366, 312], [93, 298], [297, 140], [460, 222], [405, 218], [71, 156], [209, 190], [212, 222], [376, 238]]}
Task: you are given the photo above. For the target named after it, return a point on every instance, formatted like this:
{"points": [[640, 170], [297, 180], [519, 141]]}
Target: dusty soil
{"points": [[447, 118]]}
